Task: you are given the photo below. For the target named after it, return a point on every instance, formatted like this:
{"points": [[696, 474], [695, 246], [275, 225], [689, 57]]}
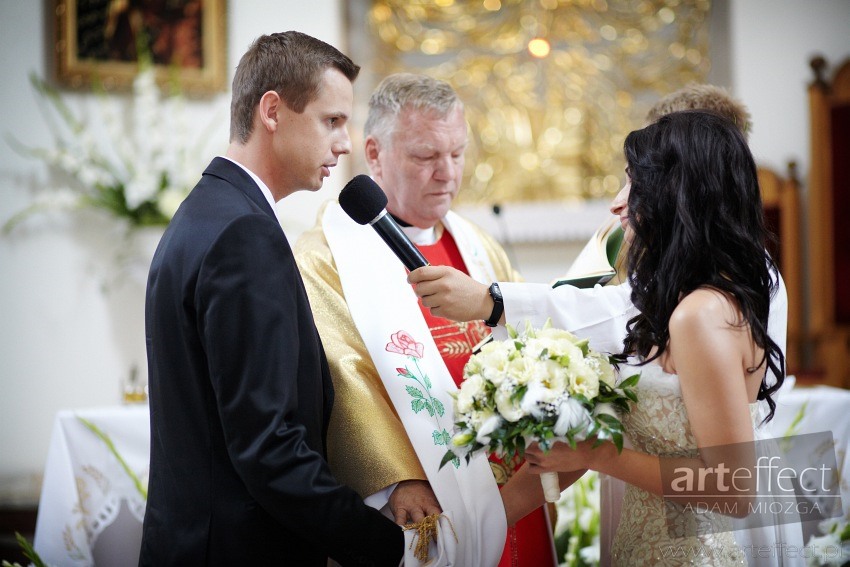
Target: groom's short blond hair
{"points": [[696, 96]]}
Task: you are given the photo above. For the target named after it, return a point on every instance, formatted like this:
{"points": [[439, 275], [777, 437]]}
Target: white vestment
{"points": [[387, 314]]}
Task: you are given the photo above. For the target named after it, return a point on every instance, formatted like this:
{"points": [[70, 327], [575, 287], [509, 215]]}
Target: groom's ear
{"points": [[268, 111]]}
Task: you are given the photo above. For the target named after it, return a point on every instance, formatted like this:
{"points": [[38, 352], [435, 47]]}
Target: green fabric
{"points": [[612, 246]]}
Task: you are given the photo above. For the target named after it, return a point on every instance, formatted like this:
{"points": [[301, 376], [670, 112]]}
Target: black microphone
{"points": [[366, 203]]}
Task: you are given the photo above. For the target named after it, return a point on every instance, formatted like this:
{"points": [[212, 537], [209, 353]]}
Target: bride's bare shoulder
{"points": [[705, 309]]}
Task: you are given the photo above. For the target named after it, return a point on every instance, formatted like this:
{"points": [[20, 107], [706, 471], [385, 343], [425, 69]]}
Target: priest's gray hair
{"points": [[404, 92]]}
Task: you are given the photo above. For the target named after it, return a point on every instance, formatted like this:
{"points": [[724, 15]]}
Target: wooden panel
{"points": [[781, 201], [829, 226]]}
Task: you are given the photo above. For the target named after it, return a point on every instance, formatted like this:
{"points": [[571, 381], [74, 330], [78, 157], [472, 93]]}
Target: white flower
{"points": [[571, 414], [604, 369], [591, 553], [537, 398], [583, 380], [520, 370], [493, 361], [509, 409], [169, 201], [825, 550], [486, 423], [142, 187], [471, 388]]}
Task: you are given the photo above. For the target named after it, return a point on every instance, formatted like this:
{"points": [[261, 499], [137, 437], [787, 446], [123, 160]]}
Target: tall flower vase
{"points": [[126, 297]]}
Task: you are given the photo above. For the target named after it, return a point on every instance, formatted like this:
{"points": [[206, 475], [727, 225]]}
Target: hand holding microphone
{"points": [[448, 292], [366, 203]]}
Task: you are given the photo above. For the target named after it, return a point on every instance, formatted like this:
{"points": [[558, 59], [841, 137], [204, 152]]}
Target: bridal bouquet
{"points": [[541, 385]]}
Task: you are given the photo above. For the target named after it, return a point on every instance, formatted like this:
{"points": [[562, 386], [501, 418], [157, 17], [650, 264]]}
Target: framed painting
{"points": [[102, 42]]}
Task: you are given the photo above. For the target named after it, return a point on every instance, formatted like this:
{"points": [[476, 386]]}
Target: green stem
{"points": [[111, 446], [428, 392]]}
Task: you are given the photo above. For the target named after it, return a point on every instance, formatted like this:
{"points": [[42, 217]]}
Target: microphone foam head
{"points": [[362, 199]]}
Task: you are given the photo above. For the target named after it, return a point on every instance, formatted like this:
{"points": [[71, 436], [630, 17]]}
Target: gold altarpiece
{"points": [[551, 87]]}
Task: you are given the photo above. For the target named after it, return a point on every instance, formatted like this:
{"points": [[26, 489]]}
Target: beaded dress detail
{"points": [[658, 425]]}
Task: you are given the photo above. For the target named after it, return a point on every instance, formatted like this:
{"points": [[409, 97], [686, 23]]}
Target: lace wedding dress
{"points": [[658, 425]]}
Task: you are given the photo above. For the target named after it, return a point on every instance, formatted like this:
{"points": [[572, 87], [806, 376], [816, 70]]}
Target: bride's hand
{"points": [[563, 458]]}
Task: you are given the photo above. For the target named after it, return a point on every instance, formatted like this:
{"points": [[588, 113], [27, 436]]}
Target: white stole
{"points": [[382, 304]]}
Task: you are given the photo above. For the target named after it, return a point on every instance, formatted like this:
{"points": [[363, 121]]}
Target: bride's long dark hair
{"points": [[696, 215]]}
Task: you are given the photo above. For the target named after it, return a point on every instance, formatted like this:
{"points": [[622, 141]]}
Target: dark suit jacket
{"points": [[240, 398]]}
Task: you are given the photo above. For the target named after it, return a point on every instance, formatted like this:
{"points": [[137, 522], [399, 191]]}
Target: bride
{"points": [[702, 282]]}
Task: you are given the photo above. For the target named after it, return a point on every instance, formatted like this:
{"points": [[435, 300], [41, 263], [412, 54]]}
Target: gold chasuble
{"points": [[368, 448]]}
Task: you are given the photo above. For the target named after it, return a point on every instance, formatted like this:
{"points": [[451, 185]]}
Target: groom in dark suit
{"points": [[240, 393]]}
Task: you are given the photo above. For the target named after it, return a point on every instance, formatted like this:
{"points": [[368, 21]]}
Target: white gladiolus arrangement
{"points": [[139, 167], [541, 385]]}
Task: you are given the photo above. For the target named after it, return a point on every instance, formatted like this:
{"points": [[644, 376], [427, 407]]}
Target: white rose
{"points": [[519, 370], [583, 380], [471, 388], [493, 360], [508, 408], [554, 375], [604, 369]]}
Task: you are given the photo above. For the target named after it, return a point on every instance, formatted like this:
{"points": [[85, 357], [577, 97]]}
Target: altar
{"points": [[95, 480], [95, 485]]}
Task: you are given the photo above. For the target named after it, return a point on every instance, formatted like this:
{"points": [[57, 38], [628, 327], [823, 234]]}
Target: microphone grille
{"points": [[362, 199]]}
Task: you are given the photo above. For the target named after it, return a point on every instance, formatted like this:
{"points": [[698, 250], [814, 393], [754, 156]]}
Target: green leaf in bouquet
{"points": [[609, 420], [629, 382], [617, 439], [519, 393], [448, 458], [584, 345], [511, 331]]}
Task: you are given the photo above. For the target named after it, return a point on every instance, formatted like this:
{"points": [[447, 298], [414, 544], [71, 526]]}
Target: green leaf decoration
{"points": [[417, 405], [112, 449], [439, 407], [438, 437], [427, 381], [414, 391], [430, 408]]}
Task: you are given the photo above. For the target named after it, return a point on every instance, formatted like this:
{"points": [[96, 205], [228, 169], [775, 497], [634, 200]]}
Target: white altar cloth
{"points": [[91, 510]]}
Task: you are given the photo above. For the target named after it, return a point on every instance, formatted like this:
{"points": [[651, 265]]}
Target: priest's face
{"points": [[420, 168]]}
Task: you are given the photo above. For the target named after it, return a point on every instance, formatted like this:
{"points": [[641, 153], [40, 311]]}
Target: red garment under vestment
{"points": [[529, 542]]}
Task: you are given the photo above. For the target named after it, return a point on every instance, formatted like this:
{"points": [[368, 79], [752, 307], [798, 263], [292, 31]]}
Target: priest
{"points": [[393, 363]]}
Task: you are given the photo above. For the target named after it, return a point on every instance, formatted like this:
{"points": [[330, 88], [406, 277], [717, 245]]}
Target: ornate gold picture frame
{"points": [[102, 42]]}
